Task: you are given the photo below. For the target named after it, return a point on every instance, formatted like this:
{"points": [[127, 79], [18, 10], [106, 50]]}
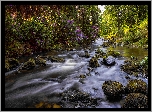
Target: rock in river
{"points": [[93, 62], [30, 64], [135, 100], [40, 61], [109, 61], [11, 63], [113, 90], [84, 54], [136, 86]]}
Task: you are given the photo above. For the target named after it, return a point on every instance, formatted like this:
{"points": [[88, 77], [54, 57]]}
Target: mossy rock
{"points": [[100, 53], [7, 66], [78, 97], [106, 44], [11, 63], [46, 105], [113, 90], [136, 86], [40, 61], [132, 67], [93, 62], [56, 59], [30, 64], [82, 76], [135, 100], [113, 53]]}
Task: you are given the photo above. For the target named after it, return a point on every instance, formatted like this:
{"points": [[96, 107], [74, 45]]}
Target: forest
{"points": [[56, 54]]}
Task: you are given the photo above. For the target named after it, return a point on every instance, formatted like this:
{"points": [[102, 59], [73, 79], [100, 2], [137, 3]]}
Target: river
{"points": [[46, 84]]}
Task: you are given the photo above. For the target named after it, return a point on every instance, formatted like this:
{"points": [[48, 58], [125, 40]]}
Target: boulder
{"points": [[10, 64], [56, 59], [113, 90], [40, 61], [109, 61], [84, 54], [93, 62], [136, 86], [135, 100], [30, 64]]}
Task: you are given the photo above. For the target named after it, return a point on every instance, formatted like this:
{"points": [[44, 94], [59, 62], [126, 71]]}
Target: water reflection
{"points": [[127, 52]]}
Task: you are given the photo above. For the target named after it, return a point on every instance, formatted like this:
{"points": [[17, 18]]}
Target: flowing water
{"points": [[46, 83]]}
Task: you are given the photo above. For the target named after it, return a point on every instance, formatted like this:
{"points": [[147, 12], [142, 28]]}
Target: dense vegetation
{"points": [[126, 24], [36, 28]]}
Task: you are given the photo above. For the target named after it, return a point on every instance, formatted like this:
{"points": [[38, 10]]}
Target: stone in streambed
{"points": [[30, 64], [113, 90], [84, 54], [11, 63], [136, 86], [109, 61], [55, 59], [93, 62], [135, 100]]}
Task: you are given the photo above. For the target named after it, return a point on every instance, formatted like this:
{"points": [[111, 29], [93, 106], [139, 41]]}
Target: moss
{"points": [[113, 53], [113, 90], [136, 86], [135, 100], [11, 63], [46, 105], [56, 59], [133, 66], [30, 64], [40, 61], [56, 106], [93, 62]]}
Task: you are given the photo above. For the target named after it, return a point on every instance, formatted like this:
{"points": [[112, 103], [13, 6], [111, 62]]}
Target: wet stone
{"points": [[78, 99], [113, 90], [136, 86], [84, 54], [93, 62], [40, 61], [30, 64], [11, 63], [56, 59], [109, 61], [135, 100], [45, 105]]}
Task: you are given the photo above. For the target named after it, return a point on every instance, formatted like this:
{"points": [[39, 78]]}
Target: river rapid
{"points": [[47, 84]]}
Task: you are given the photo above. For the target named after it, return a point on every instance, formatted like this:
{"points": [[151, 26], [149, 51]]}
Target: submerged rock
{"points": [[109, 61], [135, 100], [136, 86], [93, 62], [84, 54], [113, 90]]}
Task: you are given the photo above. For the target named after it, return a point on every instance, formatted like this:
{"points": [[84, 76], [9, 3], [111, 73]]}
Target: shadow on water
{"points": [[53, 82]]}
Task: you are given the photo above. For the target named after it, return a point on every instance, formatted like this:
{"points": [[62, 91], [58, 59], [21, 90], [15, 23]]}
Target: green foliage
{"points": [[128, 22]]}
